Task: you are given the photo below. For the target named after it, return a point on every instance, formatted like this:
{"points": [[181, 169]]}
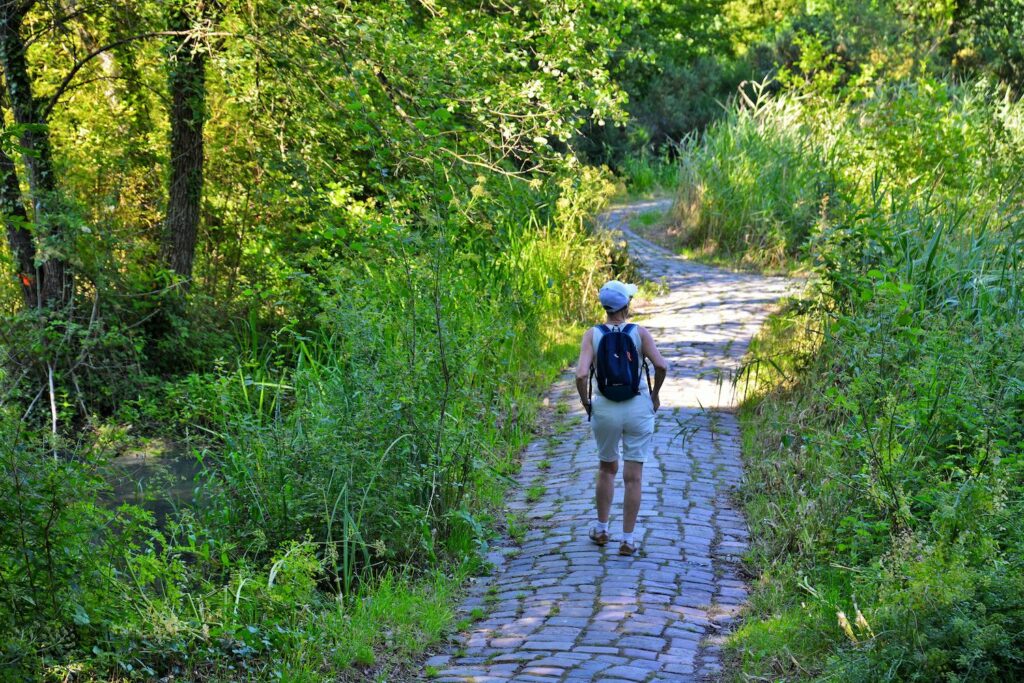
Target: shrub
{"points": [[355, 454], [885, 471]]}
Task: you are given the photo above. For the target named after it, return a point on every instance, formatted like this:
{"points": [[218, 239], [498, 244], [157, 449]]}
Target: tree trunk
{"points": [[188, 109], [23, 249], [55, 283]]}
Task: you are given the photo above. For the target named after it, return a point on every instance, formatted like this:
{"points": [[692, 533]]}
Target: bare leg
{"points": [[632, 476], [606, 489]]}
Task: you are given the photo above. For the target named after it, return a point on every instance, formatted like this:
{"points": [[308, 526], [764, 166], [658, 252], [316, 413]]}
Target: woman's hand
{"points": [[655, 401]]}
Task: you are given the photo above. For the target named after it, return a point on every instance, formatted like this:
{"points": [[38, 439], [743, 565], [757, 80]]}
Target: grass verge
{"points": [[883, 436]]}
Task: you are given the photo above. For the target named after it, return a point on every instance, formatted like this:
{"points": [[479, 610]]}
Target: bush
{"points": [[644, 174], [886, 436], [365, 442], [353, 456]]}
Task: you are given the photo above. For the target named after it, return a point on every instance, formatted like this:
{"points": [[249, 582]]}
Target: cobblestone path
{"points": [[558, 608]]}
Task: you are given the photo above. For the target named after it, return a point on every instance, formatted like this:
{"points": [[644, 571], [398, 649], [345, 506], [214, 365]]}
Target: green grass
{"points": [[668, 229], [323, 466], [645, 176], [560, 428], [882, 424], [646, 219], [516, 526], [535, 492]]}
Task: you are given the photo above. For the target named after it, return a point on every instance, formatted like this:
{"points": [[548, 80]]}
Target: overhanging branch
{"points": [[51, 102]]}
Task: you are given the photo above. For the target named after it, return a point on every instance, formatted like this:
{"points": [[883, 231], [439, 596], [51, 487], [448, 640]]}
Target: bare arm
{"points": [[583, 368], [650, 350]]}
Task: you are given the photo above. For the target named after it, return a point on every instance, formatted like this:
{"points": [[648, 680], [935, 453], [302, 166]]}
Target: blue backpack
{"points": [[617, 364]]}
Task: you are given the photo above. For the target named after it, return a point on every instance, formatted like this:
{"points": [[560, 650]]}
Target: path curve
{"points": [[559, 609]]}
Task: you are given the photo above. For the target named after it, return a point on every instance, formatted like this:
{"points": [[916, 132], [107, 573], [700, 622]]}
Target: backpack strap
{"points": [[646, 367], [590, 392], [629, 327], [595, 340], [593, 370]]}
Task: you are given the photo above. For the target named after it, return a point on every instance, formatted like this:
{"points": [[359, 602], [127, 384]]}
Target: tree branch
{"points": [[159, 95], [64, 84], [18, 10]]}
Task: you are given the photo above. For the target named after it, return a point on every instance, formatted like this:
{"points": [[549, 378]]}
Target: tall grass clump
{"points": [[645, 173], [885, 439], [387, 437], [755, 185]]}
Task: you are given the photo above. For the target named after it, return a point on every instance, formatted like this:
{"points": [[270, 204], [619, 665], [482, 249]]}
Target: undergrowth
{"points": [[645, 175], [883, 437], [352, 469]]}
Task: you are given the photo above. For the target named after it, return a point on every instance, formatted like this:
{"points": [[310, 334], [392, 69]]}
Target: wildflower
{"points": [[862, 623], [844, 624]]}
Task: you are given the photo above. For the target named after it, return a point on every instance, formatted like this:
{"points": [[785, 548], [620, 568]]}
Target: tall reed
{"points": [[884, 440]]}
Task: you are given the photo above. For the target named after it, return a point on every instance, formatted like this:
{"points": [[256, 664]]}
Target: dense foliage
{"points": [[330, 252], [389, 242], [887, 477], [885, 437]]}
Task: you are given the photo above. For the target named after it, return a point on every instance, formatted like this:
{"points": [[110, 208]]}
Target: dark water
{"points": [[160, 478]]}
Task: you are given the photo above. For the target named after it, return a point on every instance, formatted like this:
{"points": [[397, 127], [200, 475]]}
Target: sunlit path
{"points": [[561, 609]]}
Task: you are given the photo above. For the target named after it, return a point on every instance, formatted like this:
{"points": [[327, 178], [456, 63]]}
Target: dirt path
{"points": [[561, 609]]}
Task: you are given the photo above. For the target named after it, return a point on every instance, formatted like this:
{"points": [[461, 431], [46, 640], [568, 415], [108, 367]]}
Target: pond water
{"points": [[160, 478]]}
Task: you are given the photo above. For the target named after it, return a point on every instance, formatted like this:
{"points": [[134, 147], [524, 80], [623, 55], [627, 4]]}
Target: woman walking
{"points": [[623, 408]]}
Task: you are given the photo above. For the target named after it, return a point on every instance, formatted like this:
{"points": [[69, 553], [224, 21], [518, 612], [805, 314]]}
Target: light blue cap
{"points": [[615, 295]]}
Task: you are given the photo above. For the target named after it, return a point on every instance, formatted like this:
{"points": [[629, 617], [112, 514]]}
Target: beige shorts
{"points": [[631, 422]]}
